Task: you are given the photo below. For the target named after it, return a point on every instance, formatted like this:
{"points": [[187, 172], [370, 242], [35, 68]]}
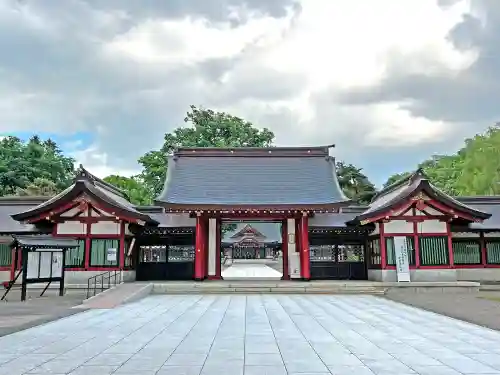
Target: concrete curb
{"points": [[145, 291]]}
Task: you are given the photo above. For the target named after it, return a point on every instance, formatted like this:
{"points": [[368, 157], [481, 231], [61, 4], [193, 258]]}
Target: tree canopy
{"points": [[354, 183], [133, 186], [34, 166], [39, 168], [207, 128], [473, 170]]}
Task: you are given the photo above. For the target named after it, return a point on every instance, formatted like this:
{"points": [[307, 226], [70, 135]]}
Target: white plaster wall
{"points": [[71, 227], [464, 235], [212, 247], [398, 226], [293, 255], [434, 275], [478, 274], [105, 227], [71, 212], [431, 226], [127, 230], [492, 234], [81, 277], [377, 229], [5, 276], [415, 275]]}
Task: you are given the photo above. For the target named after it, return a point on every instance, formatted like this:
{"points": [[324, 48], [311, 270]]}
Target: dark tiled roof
{"points": [[13, 205], [252, 177], [331, 220], [174, 220], [489, 204], [410, 186], [86, 183], [45, 241]]}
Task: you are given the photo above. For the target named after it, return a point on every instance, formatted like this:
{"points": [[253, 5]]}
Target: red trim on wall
{"points": [[441, 207], [5, 268], [63, 208], [390, 213]]}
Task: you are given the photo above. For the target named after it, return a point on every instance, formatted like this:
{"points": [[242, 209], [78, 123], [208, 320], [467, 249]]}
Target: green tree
{"points": [[21, 163], [473, 170], [133, 187], [354, 183], [207, 129], [395, 177], [40, 187]]}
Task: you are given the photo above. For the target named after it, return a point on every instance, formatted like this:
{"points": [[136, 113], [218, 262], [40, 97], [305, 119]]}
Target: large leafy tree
{"points": [[21, 163], [133, 186], [207, 128], [473, 170], [354, 183]]}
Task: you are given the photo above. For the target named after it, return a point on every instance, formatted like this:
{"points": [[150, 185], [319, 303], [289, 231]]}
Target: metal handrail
{"points": [[102, 277]]}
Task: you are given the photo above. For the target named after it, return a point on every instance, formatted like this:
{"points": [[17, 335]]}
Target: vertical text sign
{"points": [[402, 261]]}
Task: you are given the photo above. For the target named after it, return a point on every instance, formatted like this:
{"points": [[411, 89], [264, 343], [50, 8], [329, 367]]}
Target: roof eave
{"points": [[423, 186], [266, 206], [79, 188]]}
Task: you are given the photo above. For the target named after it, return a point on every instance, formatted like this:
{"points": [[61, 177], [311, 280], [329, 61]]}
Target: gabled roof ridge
{"points": [[270, 151], [84, 174], [417, 174], [254, 230]]}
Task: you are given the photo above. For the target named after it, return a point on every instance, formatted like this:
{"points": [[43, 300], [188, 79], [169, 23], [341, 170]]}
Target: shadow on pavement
{"points": [[16, 315]]}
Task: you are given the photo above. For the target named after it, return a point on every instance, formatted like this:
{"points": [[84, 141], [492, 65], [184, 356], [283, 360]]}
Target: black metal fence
{"points": [[99, 283]]}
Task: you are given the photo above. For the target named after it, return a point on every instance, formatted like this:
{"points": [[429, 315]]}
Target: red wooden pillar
{"points": [[305, 261], [218, 249], [121, 257], [285, 249], [482, 243], [450, 245], [383, 249], [199, 250], [416, 244]]}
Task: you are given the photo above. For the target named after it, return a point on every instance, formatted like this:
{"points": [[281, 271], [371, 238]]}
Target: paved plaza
{"points": [[254, 335]]}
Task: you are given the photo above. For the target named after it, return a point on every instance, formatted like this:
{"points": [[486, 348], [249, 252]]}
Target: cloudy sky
{"points": [[390, 82]]}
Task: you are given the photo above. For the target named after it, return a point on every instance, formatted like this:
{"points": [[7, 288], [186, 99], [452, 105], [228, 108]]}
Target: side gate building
{"points": [[323, 234]]}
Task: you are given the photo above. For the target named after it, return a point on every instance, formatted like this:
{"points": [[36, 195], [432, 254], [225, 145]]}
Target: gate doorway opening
{"points": [[252, 250]]}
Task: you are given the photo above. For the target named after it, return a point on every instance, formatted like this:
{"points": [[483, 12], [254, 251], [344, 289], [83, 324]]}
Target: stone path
{"points": [[254, 335], [471, 307], [250, 271]]}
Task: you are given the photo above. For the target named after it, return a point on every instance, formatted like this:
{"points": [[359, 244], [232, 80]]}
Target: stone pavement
{"points": [[471, 307], [254, 335], [250, 271], [16, 315]]}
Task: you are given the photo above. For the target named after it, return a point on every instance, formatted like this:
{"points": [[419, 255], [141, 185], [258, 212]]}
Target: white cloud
{"points": [[333, 45], [129, 79]]}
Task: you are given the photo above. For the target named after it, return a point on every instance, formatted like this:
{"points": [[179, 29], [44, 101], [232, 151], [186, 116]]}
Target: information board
{"points": [[402, 261]]}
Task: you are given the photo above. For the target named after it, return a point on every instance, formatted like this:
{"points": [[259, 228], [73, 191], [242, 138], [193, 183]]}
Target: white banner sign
{"points": [[402, 261], [111, 255]]}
